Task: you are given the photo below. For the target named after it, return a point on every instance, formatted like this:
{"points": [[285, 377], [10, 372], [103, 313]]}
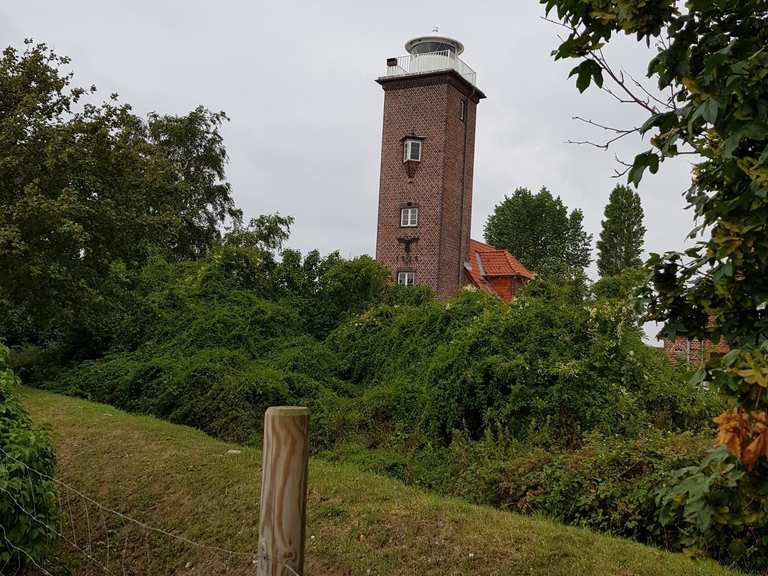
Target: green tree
{"points": [[84, 185], [326, 291], [711, 66], [538, 230], [621, 239]]}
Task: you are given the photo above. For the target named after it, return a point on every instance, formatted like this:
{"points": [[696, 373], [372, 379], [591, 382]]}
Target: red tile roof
{"points": [[498, 262], [495, 271]]}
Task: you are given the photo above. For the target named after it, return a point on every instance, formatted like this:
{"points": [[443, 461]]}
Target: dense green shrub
{"points": [[608, 484], [219, 390], [408, 295], [26, 464], [650, 488], [699, 499], [612, 484], [546, 368], [327, 291], [212, 343]]}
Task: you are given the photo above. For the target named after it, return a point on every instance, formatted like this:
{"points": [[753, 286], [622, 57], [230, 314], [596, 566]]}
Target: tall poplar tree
{"points": [[621, 239]]}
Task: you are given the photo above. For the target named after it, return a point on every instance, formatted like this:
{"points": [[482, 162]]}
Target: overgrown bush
{"points": [[700, 501], [28, 509], [609, 484], [546, 368], [612, 484], [212, 343]]}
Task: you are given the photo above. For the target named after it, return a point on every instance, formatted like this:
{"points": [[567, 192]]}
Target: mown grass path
{"points": [[178, 479]]}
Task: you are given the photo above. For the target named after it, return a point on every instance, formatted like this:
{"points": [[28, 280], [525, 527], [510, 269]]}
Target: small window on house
{"points": [[463, 110], [412, 151], [409, 217], [406, 278]]}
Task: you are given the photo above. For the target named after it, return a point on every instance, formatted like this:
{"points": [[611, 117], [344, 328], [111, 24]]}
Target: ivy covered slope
{"points": [[23, 448], [551, 404], [185, 482], [213, 342], [546, 368]]}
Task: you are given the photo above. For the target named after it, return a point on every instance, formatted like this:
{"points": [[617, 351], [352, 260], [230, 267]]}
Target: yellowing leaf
{"points": [[733, 430], [691, 85]]}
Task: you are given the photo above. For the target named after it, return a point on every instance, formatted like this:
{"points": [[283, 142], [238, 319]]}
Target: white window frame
{"points": [[462, 109], [409, 217], [410, 145], [406, 278]]}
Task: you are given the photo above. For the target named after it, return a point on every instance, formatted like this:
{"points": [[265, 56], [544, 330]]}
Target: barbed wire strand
{"points": [[53, 530], [31, 559], [121, 515], [127, 517]]}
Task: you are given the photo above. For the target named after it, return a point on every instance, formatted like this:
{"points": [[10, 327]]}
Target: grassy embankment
{"points": [[185, 482]]}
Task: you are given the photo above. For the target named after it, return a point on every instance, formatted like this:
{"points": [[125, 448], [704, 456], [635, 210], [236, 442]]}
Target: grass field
{"points": [[181, 481]]}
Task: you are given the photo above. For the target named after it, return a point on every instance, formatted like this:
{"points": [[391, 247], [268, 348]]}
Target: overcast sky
{"points": [[297, 80]]}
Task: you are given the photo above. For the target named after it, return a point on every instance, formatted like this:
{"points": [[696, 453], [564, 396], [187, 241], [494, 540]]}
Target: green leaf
{"points": [[587, 71], [726, 270], [648, 160], [710, 109], [698, 376], [748, 130], [663, 120]]}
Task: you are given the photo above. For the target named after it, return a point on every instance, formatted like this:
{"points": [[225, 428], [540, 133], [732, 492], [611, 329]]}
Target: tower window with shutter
{"points": [[412, 151]]}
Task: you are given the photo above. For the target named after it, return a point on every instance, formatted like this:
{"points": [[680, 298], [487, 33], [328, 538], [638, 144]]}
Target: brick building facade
{"points": [[425, 185], [427, 157], [694, 352]]}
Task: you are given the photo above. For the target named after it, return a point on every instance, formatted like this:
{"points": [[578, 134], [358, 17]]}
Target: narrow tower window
{"points": [[406, 278], [412, 151], [409, 217], [463, 110]]}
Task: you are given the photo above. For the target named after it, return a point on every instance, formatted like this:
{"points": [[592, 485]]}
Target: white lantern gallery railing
{"points": [[430, 62]]}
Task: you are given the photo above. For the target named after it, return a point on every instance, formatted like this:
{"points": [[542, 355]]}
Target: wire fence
{"points": [[108, 541]]}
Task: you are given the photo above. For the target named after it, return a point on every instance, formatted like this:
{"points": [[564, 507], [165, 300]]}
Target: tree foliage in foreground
{"points": [[538, 230], [712, 62], [84, 185], [621, 240]]}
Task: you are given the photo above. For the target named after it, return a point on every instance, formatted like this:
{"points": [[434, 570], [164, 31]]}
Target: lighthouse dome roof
{"points": [[426, 44]]}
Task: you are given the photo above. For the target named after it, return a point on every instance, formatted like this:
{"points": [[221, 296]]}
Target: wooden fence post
{"points": [[282, 516]]}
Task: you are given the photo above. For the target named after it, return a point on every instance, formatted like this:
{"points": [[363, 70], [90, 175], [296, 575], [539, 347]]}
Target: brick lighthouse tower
{"points": [[427, 155]]}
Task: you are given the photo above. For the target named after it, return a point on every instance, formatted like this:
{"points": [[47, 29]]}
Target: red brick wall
{"points": [[693, 352], [427, 106], [507, 287]]}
